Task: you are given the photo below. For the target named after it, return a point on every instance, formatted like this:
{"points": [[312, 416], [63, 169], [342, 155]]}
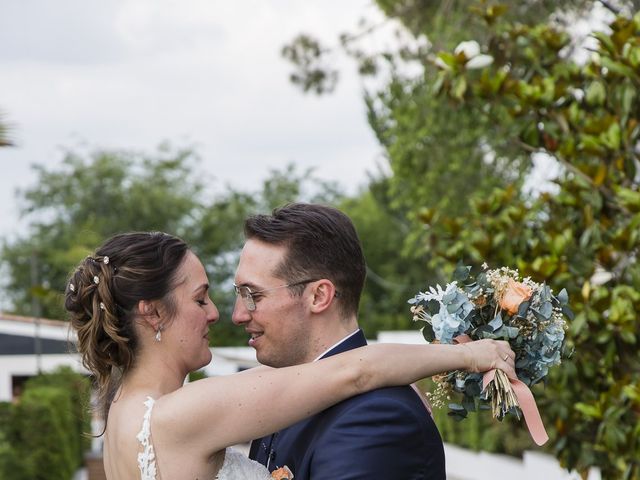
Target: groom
{"points": [[299, 281]]}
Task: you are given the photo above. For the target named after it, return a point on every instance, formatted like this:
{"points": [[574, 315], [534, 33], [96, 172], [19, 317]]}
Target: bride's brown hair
{"points": [[102, 298]]}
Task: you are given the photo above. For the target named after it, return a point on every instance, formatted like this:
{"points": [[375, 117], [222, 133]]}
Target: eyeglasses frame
{"points": [[250, 303]]}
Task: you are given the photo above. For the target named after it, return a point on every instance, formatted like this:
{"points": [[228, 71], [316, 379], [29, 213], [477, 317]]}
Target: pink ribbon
{"points": [[525, 399]]}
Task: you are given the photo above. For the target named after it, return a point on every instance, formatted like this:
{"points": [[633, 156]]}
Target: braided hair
{"points": [[102, 298]]}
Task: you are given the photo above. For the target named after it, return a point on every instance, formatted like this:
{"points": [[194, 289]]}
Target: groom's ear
{"points": [[323, 292]]}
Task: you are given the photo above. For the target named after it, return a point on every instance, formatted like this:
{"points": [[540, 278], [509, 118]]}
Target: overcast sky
{"points": [[129, 74]]}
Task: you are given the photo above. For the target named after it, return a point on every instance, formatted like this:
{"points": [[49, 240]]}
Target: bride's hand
{"points": [[487, 354]]}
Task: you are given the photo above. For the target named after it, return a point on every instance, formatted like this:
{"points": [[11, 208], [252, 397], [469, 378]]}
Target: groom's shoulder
{"points": [[398, 402]]}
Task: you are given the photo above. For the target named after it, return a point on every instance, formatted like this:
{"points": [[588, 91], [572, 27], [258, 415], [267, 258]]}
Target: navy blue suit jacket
{"points": [[383, 434]]}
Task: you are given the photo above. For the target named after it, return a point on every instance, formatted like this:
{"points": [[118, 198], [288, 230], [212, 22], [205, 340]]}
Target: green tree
{"points": [[438, 119], [78, 388], [43, 439], [4, 133], [436, 150], [76, 206], [584, 118], [72, 208]]}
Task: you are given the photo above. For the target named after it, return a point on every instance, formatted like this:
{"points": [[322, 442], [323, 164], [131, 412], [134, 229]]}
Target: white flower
{"points": [[470, 49], [479, 61], [600, 276]]}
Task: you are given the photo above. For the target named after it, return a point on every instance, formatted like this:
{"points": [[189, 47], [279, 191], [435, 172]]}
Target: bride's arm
{"points": [[214, 413]]}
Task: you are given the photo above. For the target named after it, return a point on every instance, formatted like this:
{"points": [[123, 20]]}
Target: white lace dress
{"points": [[235, 466]]}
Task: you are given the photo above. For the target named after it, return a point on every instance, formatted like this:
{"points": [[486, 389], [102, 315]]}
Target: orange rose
{"points": [[283, 473], [514, 295]]}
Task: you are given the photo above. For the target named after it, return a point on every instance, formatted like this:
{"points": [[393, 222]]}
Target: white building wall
{"points": [[26, 365]]}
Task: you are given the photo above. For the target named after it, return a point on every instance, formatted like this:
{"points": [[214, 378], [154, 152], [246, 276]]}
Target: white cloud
{"points": [[132, 73]]}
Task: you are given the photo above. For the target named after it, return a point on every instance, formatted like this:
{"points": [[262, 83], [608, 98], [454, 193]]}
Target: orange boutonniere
{"points": [[282, 473]]}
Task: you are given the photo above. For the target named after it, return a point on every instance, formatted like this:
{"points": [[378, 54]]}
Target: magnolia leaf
{"points": [[605, 42], [588, 410], [445, 60], [595, 94], [459, 88], [617, 67], [628, 337]]}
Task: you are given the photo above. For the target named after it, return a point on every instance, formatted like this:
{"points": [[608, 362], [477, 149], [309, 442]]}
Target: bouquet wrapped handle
{"points": [[525, 399]]}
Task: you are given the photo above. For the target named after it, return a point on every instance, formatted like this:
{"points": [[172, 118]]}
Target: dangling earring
{"points": [[159, 334]]}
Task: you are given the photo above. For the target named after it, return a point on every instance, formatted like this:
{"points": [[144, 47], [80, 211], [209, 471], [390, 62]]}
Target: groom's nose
{"points": [[241, 314]]}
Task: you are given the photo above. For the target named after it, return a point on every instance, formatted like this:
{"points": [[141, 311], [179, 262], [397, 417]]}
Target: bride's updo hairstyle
{"points": [[102, 298]]}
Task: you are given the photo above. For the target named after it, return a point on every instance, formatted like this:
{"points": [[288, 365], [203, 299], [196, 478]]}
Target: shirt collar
{"points": [[336, 344]]}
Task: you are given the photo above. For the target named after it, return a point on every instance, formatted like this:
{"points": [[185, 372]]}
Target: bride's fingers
{"points": [[507, 359]]}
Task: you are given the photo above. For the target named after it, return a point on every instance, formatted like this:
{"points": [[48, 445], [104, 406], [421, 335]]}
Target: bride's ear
{"points": [[323, 292], [148, 312]]}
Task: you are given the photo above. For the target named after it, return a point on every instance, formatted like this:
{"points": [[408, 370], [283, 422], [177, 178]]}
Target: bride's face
{"points": [[187, 335], [277, 327]]}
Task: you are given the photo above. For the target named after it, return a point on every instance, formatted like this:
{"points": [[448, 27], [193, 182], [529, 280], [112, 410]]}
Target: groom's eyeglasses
{"points": [[247, 294]]}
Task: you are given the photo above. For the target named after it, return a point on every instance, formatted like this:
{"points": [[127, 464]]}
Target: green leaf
{"points": [[589, 410], [459, 88], [605, 42], [618, 68], [596, 94], [461, 273], [628, 336]]}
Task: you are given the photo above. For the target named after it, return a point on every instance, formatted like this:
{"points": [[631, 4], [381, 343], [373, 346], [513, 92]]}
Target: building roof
{"points": [[20, 335]]}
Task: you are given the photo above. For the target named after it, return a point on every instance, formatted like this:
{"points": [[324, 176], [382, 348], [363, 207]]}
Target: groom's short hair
{"points": [[321, 242]]}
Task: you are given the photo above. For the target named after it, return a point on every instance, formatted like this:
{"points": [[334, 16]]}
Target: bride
{"points": [[141, 309]]}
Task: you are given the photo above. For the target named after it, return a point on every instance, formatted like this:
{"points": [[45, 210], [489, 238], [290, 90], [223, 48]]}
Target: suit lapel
{"points": [[264, 449]]}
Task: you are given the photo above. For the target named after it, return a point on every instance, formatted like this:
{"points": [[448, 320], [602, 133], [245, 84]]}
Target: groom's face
{"points": [[277, 327]]}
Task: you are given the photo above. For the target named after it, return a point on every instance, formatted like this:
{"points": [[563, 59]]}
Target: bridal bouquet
{"points": [[496, 304]]}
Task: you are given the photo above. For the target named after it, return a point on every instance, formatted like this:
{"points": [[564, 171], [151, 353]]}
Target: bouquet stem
{"points": [[503, 398]]}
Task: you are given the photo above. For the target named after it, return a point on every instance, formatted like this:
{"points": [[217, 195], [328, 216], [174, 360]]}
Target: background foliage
{"points": [[460, 145], [43, 436], [461, 142]]}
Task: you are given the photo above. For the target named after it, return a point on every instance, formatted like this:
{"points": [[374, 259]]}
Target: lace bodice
{"points": [[235, 467]]}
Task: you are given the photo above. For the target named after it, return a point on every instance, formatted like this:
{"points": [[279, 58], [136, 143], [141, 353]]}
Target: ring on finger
{"points": [[506, 357]]}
